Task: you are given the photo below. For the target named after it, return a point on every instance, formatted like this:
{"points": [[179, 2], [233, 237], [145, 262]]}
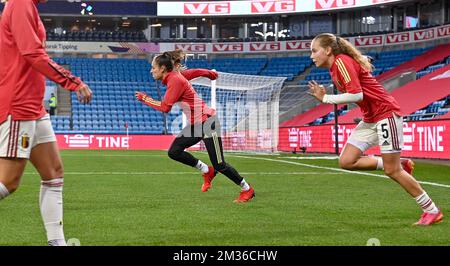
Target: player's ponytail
{"points": [[178, 57], [165, 60], [341, 46]]}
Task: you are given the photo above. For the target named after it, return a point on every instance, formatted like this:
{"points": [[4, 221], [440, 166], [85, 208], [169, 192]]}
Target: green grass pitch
{"points": [[144, 198]]}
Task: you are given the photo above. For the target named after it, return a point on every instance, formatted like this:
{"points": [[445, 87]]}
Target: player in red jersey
{"points": [[382, 122], [204, 124], [25, 128]]}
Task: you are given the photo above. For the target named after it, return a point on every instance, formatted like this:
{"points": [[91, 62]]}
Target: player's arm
{"points": [[199, 72], [173, 94], [24, 31], [348, 76]]}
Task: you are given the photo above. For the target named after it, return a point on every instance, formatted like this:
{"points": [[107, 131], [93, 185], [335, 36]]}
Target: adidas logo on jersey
{"points": [[385, 143]]}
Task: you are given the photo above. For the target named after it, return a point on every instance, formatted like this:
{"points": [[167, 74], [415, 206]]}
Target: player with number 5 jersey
{"points": [[382, 122]]}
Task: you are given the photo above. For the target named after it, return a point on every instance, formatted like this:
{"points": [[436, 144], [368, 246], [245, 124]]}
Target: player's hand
{"points": [[141, 96], [84, 94], [316, 90], [213, 75]]}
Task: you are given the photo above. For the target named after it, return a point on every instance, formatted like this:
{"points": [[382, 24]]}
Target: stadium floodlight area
{"points": [[247, 107]]}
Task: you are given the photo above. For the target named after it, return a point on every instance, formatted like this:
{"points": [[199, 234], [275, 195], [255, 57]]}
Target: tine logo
{"points": [[298, 45], [221, 47], [293, 137], [423, 35], [78, 141], [327, 4], [207, 8], [368, 41], [262, 7], [275, 46], [191, 47], [397, 38]]}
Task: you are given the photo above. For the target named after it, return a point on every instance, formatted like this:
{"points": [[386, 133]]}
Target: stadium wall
{"points": [[422, 139]]}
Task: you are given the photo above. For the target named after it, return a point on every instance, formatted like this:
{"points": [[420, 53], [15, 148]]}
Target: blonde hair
{"points": [[341, 46], [4, 1]]}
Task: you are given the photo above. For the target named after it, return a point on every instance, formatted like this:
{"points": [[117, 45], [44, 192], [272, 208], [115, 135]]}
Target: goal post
{"points": [[247, 107]]}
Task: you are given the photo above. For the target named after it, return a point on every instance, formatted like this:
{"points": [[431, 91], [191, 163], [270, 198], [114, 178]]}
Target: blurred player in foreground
{"points": [[25, 128], [382, 122]]}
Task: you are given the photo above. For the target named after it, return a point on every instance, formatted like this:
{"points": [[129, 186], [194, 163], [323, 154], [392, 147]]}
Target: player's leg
{"points": [[393, 169], [363, 137], [14, 152], [390, 132], [213, 143], [352, 158], [47, 160], [183, 141], [177, 152], [11, 170]]}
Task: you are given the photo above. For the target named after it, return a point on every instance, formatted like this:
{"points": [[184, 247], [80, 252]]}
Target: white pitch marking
{"points": [[190, 173], [267, 159], [336, 169], [311, 158]]}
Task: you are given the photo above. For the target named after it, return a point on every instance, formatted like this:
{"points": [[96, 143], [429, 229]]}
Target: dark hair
{"points": [[166, 60], [341, 46], [178, 56]]}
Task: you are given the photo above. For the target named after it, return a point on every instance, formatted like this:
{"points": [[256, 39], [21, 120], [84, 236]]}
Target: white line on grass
{"points": [[189, 173], [334, 169], [113, 155], [312, 158], [256, 158]]}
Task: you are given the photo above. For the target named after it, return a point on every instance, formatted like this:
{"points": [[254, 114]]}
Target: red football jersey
{"points": [[350, 77], [180, 90], [24, 64]]}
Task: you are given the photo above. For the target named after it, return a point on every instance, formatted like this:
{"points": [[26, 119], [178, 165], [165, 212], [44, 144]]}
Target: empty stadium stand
{"points": [[97, 36], [114, 82]]}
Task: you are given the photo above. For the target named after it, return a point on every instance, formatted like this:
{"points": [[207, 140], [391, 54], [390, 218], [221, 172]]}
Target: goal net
{"points": [[247, 107]]}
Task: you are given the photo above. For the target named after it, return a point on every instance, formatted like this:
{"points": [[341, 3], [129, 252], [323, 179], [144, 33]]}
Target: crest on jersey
{"points": [[25, 141]]}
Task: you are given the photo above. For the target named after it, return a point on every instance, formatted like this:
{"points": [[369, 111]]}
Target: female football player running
{"points": [[204, 124], [382, 122]]}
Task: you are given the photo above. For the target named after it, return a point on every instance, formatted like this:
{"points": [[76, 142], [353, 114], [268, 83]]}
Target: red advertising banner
{"points": [[397, 38], [114, 142], [304, 45], [274, 6], [228, 47], [422, 139], [256, 7], [298, 45], [264, 46], [443, 31], [327, 4], [212, 8], [421, 35], [188, 47], [369, 40]]}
